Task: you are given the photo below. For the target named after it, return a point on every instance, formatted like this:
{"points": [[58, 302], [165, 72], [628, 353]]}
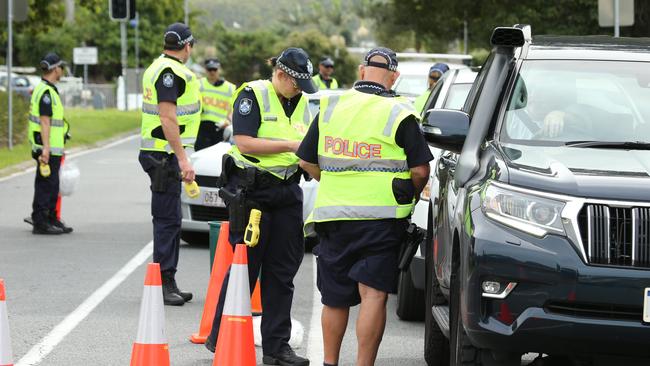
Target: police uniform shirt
{"points": [[169, 86], [45, 104], [246, 117], [408, 136]]}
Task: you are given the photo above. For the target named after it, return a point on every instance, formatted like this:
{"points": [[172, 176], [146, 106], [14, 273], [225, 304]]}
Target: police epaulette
{"points": [[248, 88]]}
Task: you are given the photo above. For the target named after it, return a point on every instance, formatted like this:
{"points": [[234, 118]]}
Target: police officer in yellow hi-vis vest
{"points": [[372, 162], [47, 135], [324, 79], [171, 111], [261, 171], [216, 95]]}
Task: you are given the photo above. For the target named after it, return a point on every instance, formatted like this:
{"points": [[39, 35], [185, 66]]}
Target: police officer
{"points": [[216, 95], [435, 73], [270, 119], [324, 79], [171, 111], [372, 161], [47, 134]]}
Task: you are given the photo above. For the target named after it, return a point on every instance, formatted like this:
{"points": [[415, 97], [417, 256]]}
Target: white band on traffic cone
{"points": [[5, 340], [151, 327], [239, 295]]}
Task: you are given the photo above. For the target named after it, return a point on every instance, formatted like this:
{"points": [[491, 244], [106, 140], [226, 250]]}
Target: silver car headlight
{"points": [[529, 213]]}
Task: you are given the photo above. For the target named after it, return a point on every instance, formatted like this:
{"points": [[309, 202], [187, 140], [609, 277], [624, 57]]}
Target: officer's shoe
{"points": [[187, 296], [46, 229], [210, 345], [286, 357], [61, 225], [170, 297]]}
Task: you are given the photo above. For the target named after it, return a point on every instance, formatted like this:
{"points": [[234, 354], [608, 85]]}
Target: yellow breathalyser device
{"points": [[252, 234], [192, 189], [45, 170]]}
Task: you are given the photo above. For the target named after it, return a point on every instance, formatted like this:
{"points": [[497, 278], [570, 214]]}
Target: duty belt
{"points": [[264, 179]]}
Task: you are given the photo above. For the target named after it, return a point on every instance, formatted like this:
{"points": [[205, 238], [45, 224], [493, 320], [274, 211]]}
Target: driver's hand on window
{"points": [[553, 124]]}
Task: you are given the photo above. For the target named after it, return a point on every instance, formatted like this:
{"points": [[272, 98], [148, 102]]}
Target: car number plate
{"points": [[646, 305], [212, 199]]}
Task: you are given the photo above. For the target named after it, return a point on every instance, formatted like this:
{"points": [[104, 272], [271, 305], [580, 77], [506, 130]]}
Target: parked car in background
{"points": [[209, 206], [541, 242], [450, 93], [21, 84], [414, 72]]}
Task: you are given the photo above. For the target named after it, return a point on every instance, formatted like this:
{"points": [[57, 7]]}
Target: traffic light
{"points": [[121, 9]]}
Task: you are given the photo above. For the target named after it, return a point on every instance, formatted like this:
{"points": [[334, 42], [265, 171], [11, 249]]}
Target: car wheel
{"points": [[436, 345], [463, 352], [195, 238], [410, 300]]}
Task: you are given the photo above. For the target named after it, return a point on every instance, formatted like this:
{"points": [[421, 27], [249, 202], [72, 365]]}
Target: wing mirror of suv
{"points": [[446, 128]]}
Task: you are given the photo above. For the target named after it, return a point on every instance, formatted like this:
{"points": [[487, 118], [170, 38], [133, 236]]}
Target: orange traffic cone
{"points": [[236, 345], [150, 347], [256, 300], [222, 261], [5, 341]]}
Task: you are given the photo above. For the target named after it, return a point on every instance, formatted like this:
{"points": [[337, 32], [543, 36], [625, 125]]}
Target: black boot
{"points": [[286, 357], [170, 297], [57, 223], [45, 228], [187, 296]]}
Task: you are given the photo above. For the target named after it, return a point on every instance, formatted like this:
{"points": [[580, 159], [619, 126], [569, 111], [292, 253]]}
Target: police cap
{"points": [[439, 67], [177, 36], [295, 62], [212, 63], [51, 61], [388, 54], [327, 61]]}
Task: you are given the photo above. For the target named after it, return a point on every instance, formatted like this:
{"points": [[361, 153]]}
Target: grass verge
{"points": [[87, 127]]}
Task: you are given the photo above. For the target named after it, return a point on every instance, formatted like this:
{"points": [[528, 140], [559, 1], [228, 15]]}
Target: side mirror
{"points": [[446, 128]]}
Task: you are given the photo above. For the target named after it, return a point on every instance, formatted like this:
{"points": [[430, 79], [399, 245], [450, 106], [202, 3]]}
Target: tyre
{"points": [[195, 238], [436, 345], [410, 300]]}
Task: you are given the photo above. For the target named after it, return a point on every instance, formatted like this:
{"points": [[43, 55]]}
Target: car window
{"points": [[456, 96], [411, 84], [556, 101], [472, 100], [20, 81]]}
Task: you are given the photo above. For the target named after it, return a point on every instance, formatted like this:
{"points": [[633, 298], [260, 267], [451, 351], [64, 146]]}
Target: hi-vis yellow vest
{"points": [[359, 158], [217, 101], [57, 125], [321, 84], [275, 125], [188, 106]]}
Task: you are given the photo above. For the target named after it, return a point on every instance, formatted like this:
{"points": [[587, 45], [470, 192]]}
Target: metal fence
{"points": [[96, 96]]}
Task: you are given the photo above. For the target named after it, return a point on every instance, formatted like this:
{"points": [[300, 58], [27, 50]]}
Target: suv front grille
{"points": [[618, 236], [208, 213], [602, 311]]}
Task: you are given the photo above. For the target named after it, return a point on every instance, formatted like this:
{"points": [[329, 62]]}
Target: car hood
{"points": [[582, 172], [208, 161]]}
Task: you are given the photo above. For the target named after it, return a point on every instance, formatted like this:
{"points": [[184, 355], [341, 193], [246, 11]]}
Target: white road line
{"points": [[38, 353], [73, 155], [315, 340]]}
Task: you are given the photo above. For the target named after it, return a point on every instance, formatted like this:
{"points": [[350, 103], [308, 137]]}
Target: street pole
{"points": [[465, 37], [137, 51], [187, 12], [124, 63], [617, 20], [10, 88]]}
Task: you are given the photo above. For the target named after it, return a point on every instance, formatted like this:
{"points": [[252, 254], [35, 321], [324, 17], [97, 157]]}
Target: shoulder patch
{"points": [[245, 106], [46, 99], [168, 80]]}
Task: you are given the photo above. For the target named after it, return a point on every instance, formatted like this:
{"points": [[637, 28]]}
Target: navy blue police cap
{"points": [[177, 36], [388, 55], [212, 63], [295, 62], [439, 67], [51, 61], [327, 61]]}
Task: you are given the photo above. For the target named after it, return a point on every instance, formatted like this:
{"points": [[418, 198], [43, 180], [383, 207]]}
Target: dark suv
{"points": [[542, 238]]}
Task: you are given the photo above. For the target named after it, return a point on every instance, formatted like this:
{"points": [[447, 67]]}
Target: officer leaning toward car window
{"points": [[435, 73], [261, 171], [171, 111], [47, 135], [372, 162], [324, 79], [216, 97]]}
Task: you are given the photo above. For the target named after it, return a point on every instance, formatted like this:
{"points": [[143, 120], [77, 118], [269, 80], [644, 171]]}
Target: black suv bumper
{"points": [[560, 305]]}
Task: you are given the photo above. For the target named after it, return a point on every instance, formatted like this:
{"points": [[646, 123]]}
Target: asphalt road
{"points": [[75, 299]]}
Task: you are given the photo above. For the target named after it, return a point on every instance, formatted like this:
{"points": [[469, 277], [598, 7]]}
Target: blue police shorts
{"points": [[353, 252]]}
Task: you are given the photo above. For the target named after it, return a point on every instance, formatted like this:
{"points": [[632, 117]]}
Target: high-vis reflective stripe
{"points": [[394, 113], [326, 213], [282, 171], [182, 110], [151, 143], [238, 303], [53, 151], [266, 105], [306, 116], [361, 165], [213, 91], [331, 104], [213, 113], [53, 122]]}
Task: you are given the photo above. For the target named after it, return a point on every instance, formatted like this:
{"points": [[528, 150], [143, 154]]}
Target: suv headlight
{"points": [[529, 213]]}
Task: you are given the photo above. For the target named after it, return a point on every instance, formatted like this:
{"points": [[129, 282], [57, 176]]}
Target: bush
{"points": [[20, 115]]}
